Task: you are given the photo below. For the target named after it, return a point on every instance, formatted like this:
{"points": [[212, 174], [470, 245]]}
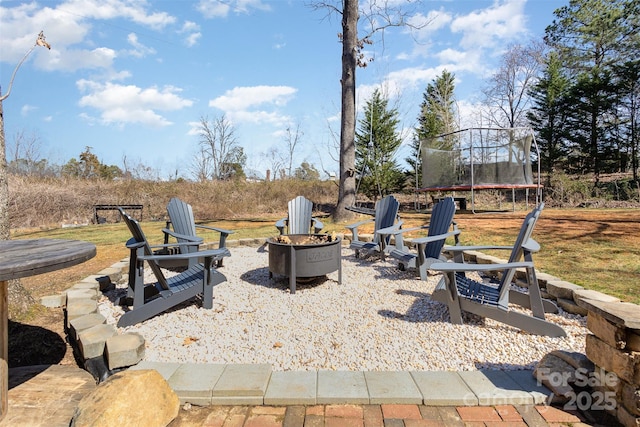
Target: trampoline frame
{"points": [[472, 187]]}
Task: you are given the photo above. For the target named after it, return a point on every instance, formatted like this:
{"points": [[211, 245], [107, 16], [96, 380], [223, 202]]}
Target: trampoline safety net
{"points": [[478, 157]]}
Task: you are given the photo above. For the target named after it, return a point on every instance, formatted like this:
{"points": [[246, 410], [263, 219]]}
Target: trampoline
{"points": [[475, 159]]}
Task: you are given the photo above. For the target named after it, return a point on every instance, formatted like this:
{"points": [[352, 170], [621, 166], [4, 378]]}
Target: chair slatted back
{"points": [[386, 214], [182, 221], [439, 223], [139, 237], [526, 230], [300, 214]]}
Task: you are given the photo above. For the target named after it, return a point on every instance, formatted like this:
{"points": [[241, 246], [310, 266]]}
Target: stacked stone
{"points": [[614, 348], [95, 341]]}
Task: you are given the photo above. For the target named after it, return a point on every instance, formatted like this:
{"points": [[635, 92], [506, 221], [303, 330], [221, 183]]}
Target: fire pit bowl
{"points": [[304, 256]]}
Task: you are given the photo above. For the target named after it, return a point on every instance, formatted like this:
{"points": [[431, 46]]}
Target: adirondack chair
{"points": [[300, 219], [491, 300], [386, 215], [428, 249], [184, 226], [150, 299]]}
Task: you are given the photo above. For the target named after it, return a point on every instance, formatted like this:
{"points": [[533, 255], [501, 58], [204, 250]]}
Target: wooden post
{"points": [[4, 348]]}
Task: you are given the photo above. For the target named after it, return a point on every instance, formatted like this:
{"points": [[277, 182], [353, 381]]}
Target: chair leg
{"points": [[447, 293], [534, 294], [423, 272], [212, 277]]}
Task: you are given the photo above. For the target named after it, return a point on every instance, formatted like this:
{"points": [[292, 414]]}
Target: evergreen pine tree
{"points": [[548, 115], [377, 143], [437, 116]]}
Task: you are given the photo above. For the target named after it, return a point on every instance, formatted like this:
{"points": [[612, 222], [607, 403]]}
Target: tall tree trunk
{"points": [[347, 189]]}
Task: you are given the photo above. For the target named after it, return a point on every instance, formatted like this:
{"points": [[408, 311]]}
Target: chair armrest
{"points": [[457, 266], [281, 224], [133, 244], [173, 245], [531, 246], [212, 253], [358, 224], [317, 225], [354, 228], [429, 239], [219, 230], [457, 248], [223, 234], [394, 229], [398, 231], [194, 239]]}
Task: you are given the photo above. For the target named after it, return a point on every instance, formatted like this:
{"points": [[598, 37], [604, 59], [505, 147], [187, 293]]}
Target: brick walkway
{"points": [[376, 416]]}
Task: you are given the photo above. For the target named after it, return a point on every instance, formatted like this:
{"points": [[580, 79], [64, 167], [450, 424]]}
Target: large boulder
{"points": [[134, 398]]}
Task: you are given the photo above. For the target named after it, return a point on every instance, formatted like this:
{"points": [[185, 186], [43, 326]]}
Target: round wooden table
{"points": [[24, 258]]}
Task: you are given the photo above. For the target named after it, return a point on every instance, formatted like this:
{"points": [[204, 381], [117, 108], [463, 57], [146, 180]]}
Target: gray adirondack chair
{"points": [[150, 299], [182, 227], [386, 215], [428, 249], [300, 218], [491, 300]]}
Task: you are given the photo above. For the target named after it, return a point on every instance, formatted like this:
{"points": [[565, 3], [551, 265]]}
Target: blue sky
{"points": [[132, 78]]}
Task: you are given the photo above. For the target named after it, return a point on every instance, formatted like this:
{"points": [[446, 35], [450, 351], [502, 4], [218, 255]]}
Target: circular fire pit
{"points": [[304, 256]]}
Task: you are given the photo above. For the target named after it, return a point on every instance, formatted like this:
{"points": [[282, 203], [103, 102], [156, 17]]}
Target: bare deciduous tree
{"points": [[276, 161], [506, 95], [24, 155], [201, 165], [25, 146], [219, 147], [293, 136], [136, 169]]}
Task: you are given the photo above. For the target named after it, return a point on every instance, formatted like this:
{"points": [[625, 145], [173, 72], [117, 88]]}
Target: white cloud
{"points": [[189, 26], [192, 39], [220, 9], [133, 11], [259, 117], [240, 104], [77, 59], [27, 109], [68, 29], [139, 50], [493, 26], [460, 43], [122, 104], [430, 23], [194, 128], [242, 98], [213, 8], [192, 31], [411, 77]]}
